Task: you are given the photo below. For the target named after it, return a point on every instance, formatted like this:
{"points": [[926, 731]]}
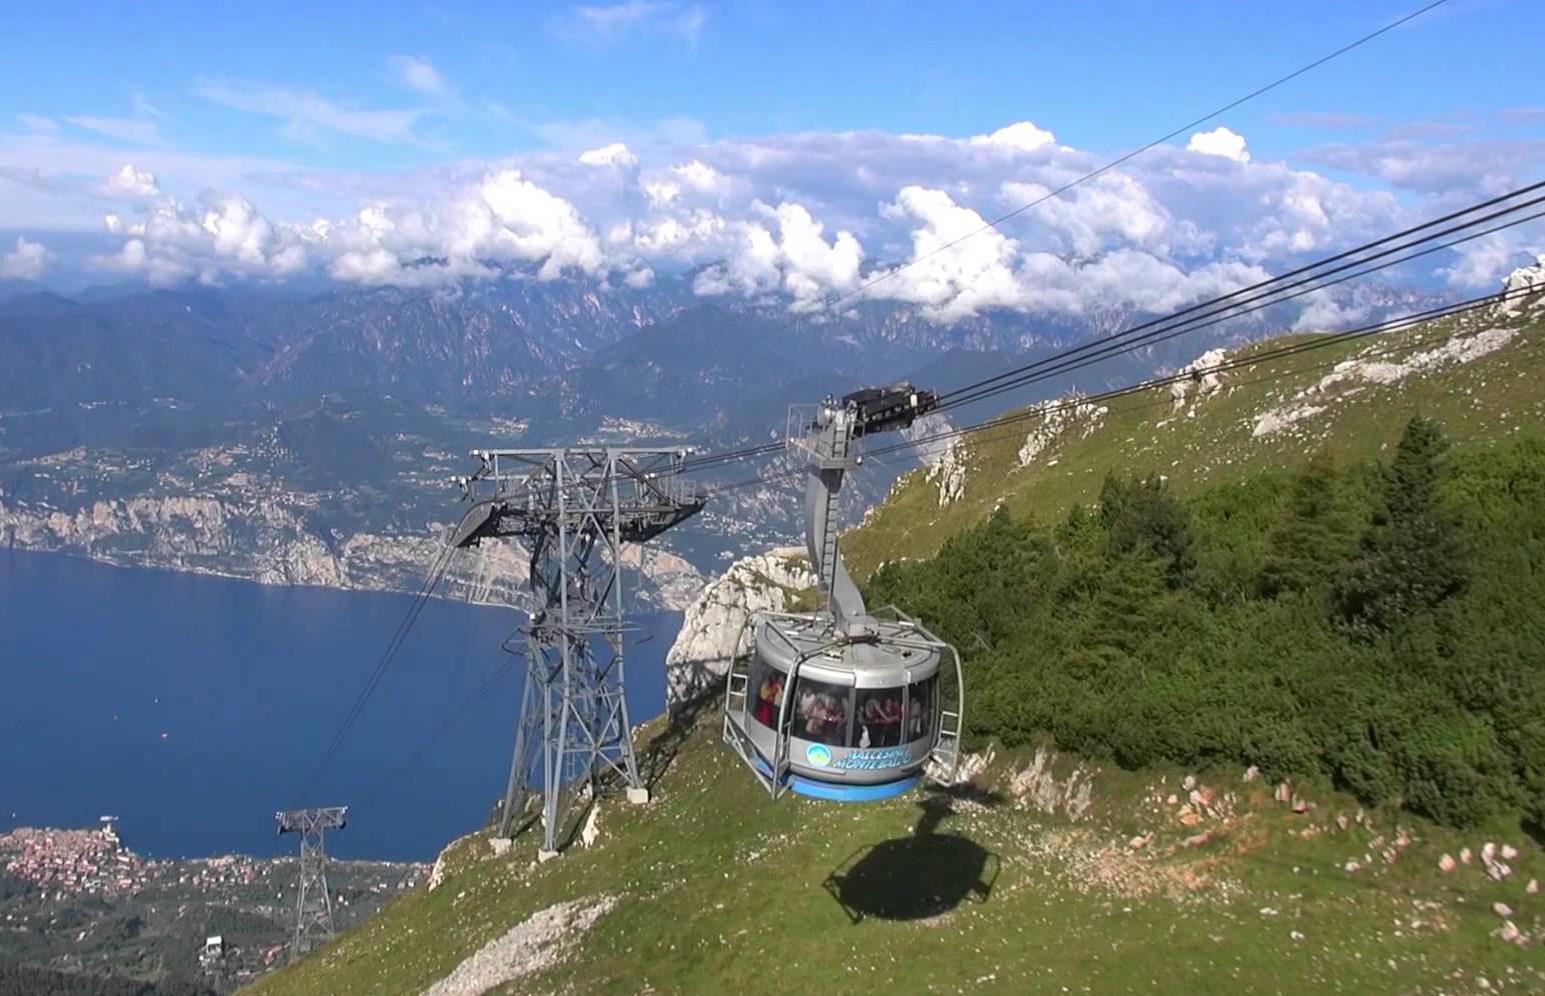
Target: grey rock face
{"points": [[714, 631], [268, 543]]}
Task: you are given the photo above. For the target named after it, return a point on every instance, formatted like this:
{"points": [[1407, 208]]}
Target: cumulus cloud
{"points": [[1111, 207], [699, 176], [417, 73], [615, 154], [951, 281], [26, 262], [1323, 312], [1220, 142], [796, 258], [1023, 136], [805, 218], [132, 183], [1483, 262]]}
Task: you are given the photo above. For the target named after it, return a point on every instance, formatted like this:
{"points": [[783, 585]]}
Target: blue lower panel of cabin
{"points": [[839, 792]]}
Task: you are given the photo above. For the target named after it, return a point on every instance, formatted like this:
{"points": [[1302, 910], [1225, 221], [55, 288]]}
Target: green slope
{"points": [[1211, 440], [1011, 885], [719, 890]]}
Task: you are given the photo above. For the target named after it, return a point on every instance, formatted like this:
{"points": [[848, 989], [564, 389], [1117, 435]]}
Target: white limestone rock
{"points": [[1529, 283], [713, 628], [1350, 376], [1056, 417], [950, 472], [590, 833], [1205, 378]]}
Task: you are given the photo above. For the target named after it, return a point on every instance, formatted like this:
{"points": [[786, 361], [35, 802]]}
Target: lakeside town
{"points": [[82, 901]]}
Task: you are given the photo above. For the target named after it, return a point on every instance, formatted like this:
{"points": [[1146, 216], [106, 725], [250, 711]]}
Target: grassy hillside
{"points": [[1481, 385], [1027, 882], [1258, 603]]}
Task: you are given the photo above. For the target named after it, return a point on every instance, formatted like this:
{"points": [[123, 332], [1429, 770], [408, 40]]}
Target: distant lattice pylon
{"points": [[313, 901]]}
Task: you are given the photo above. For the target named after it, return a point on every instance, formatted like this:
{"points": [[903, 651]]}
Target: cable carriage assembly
{"points": [[843, 703]]}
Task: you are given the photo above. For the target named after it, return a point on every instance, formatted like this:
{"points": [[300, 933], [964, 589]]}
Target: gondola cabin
{"points": [[847, 720], [841, 703]]}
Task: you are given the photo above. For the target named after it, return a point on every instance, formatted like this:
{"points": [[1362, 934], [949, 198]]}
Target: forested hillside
{"points": [[1382, 624]]}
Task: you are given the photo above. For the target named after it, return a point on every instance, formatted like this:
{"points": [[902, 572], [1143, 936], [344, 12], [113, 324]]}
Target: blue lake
{"points": [[193, 707]]}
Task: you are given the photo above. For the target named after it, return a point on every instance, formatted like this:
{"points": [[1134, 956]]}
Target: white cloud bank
{"points": [[808, 218]]}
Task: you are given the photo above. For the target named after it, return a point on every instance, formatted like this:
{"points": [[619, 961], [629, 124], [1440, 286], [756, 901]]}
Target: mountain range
{"points": [[318, 417]]}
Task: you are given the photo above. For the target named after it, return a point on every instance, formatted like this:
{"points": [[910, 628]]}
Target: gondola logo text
{"points": [[819, 755], [890, 757]]}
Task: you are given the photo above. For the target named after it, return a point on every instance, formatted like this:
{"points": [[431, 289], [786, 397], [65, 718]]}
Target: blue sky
{"points": [[307, 114], [1102, 76]]}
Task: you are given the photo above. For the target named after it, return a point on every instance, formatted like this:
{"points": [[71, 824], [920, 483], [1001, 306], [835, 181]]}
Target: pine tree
{"points": [[1312, 544], [1414, 552]]}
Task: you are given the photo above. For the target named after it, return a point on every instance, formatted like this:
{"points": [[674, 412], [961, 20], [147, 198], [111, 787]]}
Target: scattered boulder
{"points": [[499, 845], [1502, 909], [1251, 773], [591, 831], [1508, 852], [1198, 839], [1284, 792], [1488, 852], [1140, 841], [1533, 887], [1498, 870], [1446, 863], [1188, 782], [1464, 855]]}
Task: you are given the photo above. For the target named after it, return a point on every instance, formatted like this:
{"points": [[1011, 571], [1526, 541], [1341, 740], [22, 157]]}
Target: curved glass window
{"points": [[921, 705], [764, 692], [877, 716], [821, 712]]}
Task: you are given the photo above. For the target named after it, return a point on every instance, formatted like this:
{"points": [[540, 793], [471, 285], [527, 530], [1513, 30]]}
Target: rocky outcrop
{"points": [[1204, 379], [950, 472], [269, 543], [1053, 418], [714, 631], [1349, 377], [1528, 284]]}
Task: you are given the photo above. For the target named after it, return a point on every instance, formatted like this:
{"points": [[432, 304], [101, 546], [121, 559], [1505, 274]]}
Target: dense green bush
{"points": [[1380, 625]]}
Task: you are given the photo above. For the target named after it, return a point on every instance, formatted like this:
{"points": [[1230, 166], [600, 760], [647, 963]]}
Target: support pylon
{"points": [[574, 509], [313, 901]]}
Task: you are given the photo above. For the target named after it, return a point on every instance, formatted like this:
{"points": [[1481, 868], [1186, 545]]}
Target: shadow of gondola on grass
{"points": [[924, 874]]}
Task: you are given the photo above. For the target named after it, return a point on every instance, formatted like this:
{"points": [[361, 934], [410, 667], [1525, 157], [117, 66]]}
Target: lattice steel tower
{"points": [[574, 509], [314, 903]]}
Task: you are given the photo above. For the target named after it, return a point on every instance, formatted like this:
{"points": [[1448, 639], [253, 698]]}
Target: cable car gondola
{"points": [[843, 703]]}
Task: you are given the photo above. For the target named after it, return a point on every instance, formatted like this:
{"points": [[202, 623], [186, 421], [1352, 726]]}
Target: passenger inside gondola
{"points": [[769, 697], [878, 721], [821, 715]]}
